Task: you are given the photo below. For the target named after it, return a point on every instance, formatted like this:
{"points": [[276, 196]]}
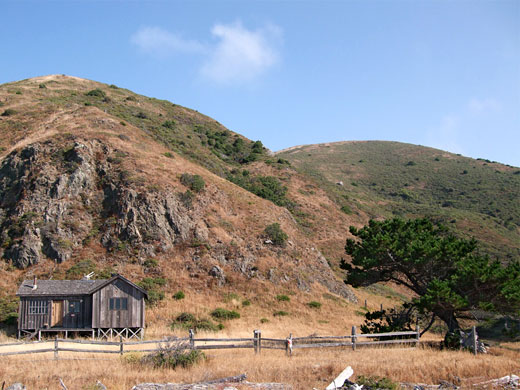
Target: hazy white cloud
{"points": [[483, 105], [157, 41], [237, 54], [241, 54]]}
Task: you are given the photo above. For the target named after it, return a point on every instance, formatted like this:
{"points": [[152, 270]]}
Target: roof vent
{"points": [[88, 276], [35, 286]]}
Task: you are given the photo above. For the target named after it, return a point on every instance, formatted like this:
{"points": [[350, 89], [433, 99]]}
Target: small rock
{"points": [[218, 274], [16, 386]]}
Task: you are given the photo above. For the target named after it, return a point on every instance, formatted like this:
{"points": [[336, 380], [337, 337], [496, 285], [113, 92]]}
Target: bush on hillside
{"points": [[282, 298], [275, 233], [179, 295], [314, 304], [193, 182], [188, 321], [8, 310], [152, 287], [96, 93], [224, 314]]}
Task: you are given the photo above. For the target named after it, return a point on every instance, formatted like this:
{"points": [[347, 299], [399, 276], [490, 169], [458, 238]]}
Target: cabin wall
{"points": [[104, 317], [33, 321], [72, 318]]}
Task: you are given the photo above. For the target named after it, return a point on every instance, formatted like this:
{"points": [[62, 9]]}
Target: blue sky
{"points": [[438, 73]]}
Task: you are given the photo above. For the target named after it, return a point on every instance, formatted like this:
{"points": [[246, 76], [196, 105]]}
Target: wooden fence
{"points": [[257, 343]]}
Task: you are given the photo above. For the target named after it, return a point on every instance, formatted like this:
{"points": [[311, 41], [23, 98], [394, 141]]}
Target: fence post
{"points": [[289, 345], [354, 338], [121, 344], [381, 307], [259, 338], [418, 335], [365, 303], [255, 341], [56, 348], [474, 340], [192, 340]]}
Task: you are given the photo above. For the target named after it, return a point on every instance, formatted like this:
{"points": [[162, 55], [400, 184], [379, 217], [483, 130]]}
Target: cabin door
{"points": [[57, 313]]}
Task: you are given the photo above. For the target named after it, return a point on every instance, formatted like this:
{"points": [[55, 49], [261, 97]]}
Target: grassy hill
{"points": [[478, 198]]}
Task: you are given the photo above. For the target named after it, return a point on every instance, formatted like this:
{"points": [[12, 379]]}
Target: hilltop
{"points": [[380, 179]]}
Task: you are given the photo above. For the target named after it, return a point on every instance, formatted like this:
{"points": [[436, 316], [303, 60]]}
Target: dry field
{"points": [[304, 370]]}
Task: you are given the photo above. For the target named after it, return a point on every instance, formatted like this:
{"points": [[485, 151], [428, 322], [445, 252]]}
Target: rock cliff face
{"points": [[53, 199], [58, 195]]}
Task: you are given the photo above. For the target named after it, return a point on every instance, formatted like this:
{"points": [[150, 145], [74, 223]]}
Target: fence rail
{"points": [[256, 342]]}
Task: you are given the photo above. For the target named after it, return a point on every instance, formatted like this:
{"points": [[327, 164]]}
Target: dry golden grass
{"points": [[304, 370]]}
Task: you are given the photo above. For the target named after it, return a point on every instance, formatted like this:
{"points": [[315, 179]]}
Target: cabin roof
{"points": [[67, 287]]}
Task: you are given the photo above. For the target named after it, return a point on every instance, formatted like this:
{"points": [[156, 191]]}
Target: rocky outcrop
{"points": [[53, 198]]}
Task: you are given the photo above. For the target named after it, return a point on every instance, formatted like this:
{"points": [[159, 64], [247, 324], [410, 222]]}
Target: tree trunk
{"points": [[450, 320]]}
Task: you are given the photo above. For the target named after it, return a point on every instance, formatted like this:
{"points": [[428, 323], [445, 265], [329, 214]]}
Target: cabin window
{"points": [[74, 307], [118, 303], [37, 307]]}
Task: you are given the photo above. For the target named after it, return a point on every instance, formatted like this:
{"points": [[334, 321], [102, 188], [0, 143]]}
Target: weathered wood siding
{"points": [[81, 319], [33, 321], [103, 317]]}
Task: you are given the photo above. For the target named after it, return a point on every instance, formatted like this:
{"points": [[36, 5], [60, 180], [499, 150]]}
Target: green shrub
{"points": [[96, 93], [42, 86], [155, 296], [224, 314], [267, 187], [141, 115], [179, 295], [314, 304], [246, 302], [151, 263], [113, 86], [346, 209], [193, 182], [280, 313], [8, 310], [264, 320], [275, 233], [9, 112], [151, 286], [375, 382], [172, 355], [169, 124], [169, 154], [189, 321], [282, 298], [80, 269]]}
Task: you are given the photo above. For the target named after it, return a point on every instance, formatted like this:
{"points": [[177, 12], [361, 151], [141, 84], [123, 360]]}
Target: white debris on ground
{"points": [[341, 378], [342, 382]]}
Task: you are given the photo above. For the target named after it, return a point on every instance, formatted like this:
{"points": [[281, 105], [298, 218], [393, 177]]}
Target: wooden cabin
{"points": [[104, 308]]}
